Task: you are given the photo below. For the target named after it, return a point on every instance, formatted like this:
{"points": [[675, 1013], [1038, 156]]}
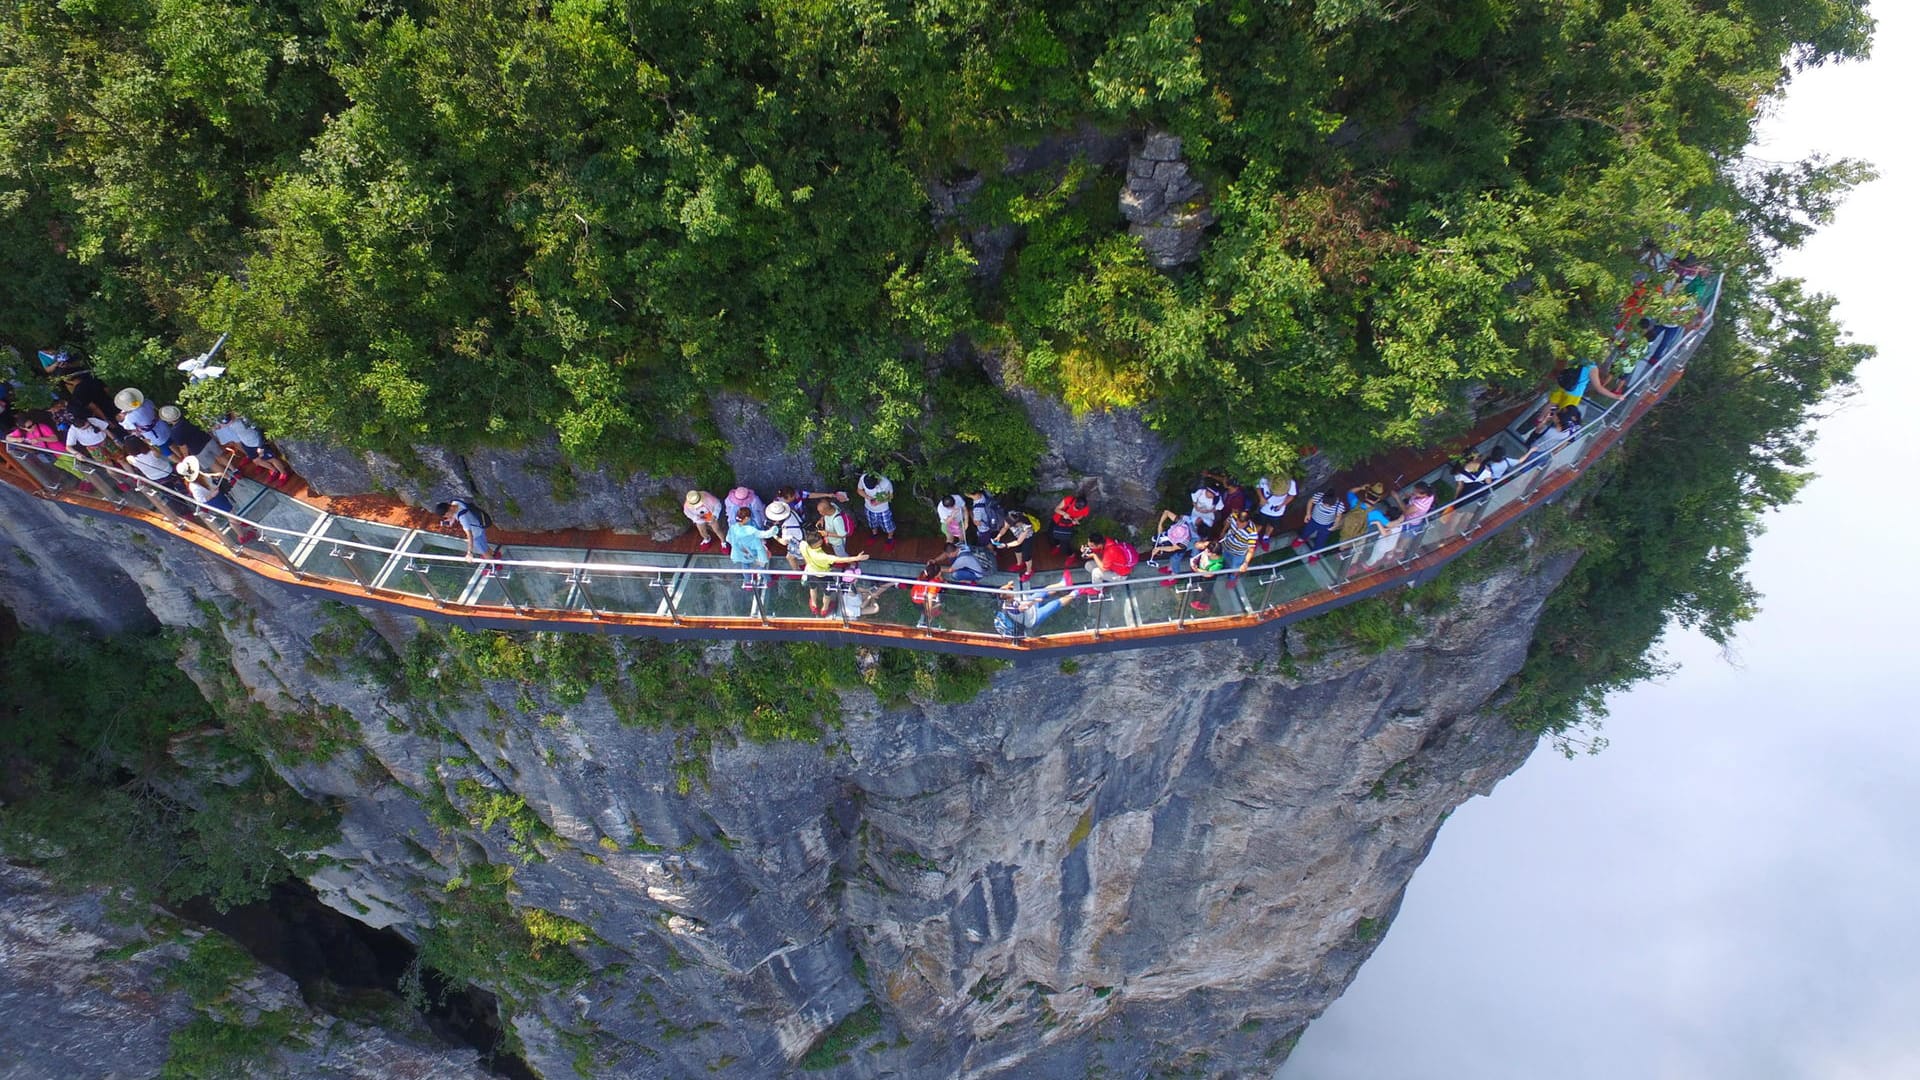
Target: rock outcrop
{"points": [[82, 994], [1140, 863], [1163, 203]]}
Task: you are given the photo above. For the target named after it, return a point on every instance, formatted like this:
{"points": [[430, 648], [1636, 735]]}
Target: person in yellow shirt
{"points": [[820, 563]]}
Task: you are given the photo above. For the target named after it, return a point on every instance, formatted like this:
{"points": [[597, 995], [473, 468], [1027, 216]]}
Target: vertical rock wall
{"points": [[1132, 864]]}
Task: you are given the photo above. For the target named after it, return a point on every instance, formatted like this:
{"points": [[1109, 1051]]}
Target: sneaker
{"points": [[1199, 605], [1266, 545], [1026, 576], [1163, 569], [704, 543], [889, 543], [1297, 542], [1090, 592], [1313, 558]]}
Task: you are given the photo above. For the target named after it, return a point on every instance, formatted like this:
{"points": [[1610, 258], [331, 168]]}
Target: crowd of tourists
{"points": [[1214, 537]]}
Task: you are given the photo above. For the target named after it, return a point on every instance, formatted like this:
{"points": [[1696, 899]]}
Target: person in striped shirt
{"points": [[1324, 511], [1237, 540]]}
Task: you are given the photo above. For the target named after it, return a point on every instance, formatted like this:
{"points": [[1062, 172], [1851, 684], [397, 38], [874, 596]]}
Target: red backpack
{"points": [[1122, 558]]}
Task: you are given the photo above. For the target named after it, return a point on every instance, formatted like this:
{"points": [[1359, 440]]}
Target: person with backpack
{"points": [[1067, 518], [1109, 559], [1573, 382], [877, 492], [1022, 613], [962, 565], [1414, 511], [986, 514], [1173, 541], [471, 520], [1018, 534], [833, 524], [1362, 504]]}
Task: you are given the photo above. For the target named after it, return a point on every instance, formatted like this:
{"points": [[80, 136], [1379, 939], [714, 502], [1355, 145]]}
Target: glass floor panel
{"points": [[550, 590], [325, 556], [434, 578], [272, 510], [714, 595], [608, 589]]}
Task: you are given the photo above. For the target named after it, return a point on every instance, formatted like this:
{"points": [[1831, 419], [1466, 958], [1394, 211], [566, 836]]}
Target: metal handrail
{"points": [[1572, 456]]}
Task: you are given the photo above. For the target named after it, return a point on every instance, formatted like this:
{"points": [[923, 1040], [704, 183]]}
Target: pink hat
{"points": [[740, 494], [1178, 533]]}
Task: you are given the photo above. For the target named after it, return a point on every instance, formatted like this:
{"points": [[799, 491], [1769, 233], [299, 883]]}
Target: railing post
{"points": [[345, 555], [273, 544], [580, 579], [426, 582]]}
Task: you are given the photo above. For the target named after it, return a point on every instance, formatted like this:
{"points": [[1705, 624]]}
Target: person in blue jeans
{"points": [[1022, 613]]}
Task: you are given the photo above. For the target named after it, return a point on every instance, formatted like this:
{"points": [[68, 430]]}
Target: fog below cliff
{"points": [[1727, 891]]}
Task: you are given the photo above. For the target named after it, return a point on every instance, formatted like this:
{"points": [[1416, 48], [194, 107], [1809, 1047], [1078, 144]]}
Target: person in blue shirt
{"points": [[1575, 381]]}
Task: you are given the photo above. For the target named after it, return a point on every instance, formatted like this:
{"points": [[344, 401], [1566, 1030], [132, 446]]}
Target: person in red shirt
{"points": [[1066, 518], [1109, 559]]}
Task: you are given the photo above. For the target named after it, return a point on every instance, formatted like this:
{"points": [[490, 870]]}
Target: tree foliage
{"points": [[460, 220], [116, 773]]}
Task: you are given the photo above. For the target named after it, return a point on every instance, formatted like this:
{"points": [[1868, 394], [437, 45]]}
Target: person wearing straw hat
{"points": [[703, 509], [186, 439], [744, 496], [210, 492], [790, 531], [135, 413]]}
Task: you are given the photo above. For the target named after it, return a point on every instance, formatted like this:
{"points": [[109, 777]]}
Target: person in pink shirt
{"points": [[703, 509], [1415, 509]]}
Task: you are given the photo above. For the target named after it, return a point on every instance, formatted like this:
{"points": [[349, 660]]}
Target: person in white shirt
{"points": [[1273, 506], [877, 490]]}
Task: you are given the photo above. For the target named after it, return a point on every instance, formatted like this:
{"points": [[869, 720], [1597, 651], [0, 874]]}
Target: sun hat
{"points": [[1178, 533], [777, 511], [129, 399], [694, 499], [189, 468], [170, 413], [740, 494]]}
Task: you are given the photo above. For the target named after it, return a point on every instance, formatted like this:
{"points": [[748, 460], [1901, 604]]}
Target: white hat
{"points": [[189, 468], [694, 499], [129, 399], [170, 413], [778, 511]]}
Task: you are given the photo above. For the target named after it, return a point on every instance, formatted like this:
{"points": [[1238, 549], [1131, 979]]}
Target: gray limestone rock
{"points": [[1173, 850], [761, 454], [72, 1003], [1164, 204]]}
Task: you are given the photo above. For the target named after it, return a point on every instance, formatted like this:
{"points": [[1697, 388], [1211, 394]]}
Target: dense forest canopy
{"points": [[462, 220]]}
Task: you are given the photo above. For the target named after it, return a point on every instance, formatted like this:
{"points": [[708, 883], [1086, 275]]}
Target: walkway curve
{"points": [[673, 595]]}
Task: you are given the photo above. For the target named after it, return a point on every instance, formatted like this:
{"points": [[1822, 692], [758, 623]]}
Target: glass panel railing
{"points": [[274, 511], [340, 551], [527, 587], [445, 578], [716, 595], [632, 582]]}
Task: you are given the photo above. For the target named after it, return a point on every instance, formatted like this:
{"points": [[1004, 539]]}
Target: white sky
{"points": [[1732, 889]]}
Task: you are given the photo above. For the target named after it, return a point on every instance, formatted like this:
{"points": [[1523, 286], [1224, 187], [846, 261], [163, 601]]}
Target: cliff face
{"points": [[1138, 863]]}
